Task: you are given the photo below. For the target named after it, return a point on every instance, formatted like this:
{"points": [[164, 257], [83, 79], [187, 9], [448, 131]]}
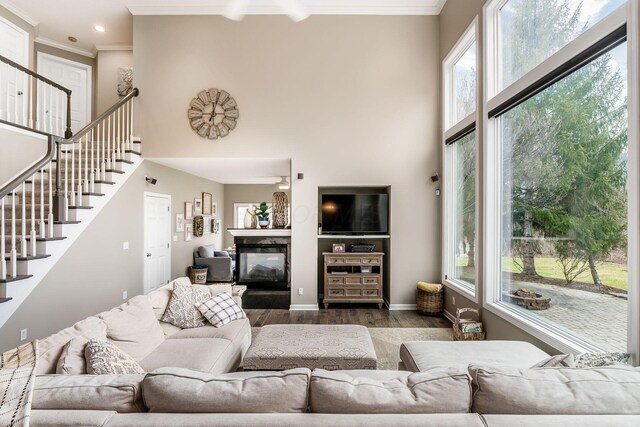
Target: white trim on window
{"points": [[470, 36], [494, 96]]}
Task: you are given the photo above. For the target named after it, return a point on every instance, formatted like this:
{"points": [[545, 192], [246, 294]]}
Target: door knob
{"points": [[20, 92], [148, 254]]}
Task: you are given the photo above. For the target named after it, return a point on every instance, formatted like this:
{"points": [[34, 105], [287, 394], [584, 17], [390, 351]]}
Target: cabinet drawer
{"points": [[370, 260], [335, 280], [370, 292], [370, 280], [333, 260], [353, 292], [353, 280], [336, 292], [352, 261]]}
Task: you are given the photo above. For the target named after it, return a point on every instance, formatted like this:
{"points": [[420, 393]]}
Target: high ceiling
{"points": [[56, 20]]}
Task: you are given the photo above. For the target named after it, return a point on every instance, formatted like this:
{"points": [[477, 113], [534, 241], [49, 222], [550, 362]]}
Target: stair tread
{"points": [[114, 171], [93, 194], [5, 300], [15, 279], [137, 153], [80, 207], [29, 258], [47, 239]]}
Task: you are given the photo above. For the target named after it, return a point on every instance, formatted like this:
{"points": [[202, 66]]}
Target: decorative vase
{"points": [[264, 222], [250, 218], [279, 209]]}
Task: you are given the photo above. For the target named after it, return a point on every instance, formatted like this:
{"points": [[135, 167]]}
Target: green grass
{"points": [[611, 274]]}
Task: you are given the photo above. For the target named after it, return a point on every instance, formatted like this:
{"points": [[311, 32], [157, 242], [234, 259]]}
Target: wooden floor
{"points": [[370, 317]]}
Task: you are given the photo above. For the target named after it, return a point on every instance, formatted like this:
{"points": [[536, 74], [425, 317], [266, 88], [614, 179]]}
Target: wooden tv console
{"points": [[346, 278]]}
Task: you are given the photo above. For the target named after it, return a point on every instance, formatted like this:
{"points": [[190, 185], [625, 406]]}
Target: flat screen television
{"points": [[355, 214]]}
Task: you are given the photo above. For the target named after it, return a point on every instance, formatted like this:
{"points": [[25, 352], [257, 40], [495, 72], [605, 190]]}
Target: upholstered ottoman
{"points": [[420, 355], [331, 347]]}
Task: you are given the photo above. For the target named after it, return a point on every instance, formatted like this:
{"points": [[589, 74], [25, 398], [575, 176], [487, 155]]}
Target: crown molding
{"points": [[101, 47], [57, 45], [314, 7], [19, 12]]}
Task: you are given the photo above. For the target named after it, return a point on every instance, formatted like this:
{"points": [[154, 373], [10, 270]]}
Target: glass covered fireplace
{"points": [[261, 265]]}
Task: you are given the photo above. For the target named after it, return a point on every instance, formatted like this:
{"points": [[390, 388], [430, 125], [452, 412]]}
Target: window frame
{"points": [[494, 100], [453, 132]]}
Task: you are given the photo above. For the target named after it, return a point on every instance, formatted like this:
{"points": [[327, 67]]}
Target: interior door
{"points": [[14, 44], [157, 238], [52, 105]]}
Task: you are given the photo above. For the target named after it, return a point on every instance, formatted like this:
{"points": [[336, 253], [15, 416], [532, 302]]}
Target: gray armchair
{"points": [[220, 263]]}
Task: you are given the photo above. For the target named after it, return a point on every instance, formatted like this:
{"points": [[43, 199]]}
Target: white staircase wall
{"points": [[94, 271]]}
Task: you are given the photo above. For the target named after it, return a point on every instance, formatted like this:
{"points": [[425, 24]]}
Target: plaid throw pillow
{"points": [[221, 310]]}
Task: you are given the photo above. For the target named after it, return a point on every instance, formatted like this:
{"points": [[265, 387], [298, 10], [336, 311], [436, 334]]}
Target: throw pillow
{"points": [[557, 361], [223, 254], [72, 360], [205, 251], [221, 309], [181, 310], [594, 360], [104, 358]]}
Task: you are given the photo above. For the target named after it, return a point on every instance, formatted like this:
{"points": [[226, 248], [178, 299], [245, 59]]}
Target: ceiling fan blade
{"points": [[236, 9], [294, 8]]}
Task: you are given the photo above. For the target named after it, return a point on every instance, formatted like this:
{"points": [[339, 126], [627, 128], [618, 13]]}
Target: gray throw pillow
{"points": [[181, 310], [104, 358], [223, 254], [206, 251]]}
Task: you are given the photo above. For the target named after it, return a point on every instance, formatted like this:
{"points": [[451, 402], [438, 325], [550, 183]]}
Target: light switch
{"points": [[175, 238], [125, 245]]}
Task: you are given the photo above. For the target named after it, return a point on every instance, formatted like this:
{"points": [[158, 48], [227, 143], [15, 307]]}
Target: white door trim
{"points": [[144, 240], [80, 65]]}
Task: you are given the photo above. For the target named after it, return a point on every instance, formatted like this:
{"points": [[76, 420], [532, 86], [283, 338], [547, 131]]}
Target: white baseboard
{"points": [[449, 316], [303, 307], [397, 307]]}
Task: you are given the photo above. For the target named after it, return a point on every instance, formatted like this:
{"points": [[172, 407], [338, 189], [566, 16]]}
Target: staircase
{"points": [[44, 209]]}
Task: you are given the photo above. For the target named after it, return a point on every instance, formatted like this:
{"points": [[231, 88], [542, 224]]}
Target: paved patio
{"points": [[598, 318]]}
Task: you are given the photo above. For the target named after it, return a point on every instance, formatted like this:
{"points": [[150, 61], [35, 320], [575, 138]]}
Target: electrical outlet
{"points": [[300, 291], [125, 245], [23, 334], [453, 300], [124, 294]]}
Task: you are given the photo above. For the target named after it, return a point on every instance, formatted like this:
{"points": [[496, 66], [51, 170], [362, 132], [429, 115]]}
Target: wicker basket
{"points": [[430, 303], [466, 336], [198, 274]]}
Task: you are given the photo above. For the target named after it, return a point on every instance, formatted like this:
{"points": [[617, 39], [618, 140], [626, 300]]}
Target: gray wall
{"points": [[245, 193], [92, 275], [352, 100], [108, 63], [455, 17]]}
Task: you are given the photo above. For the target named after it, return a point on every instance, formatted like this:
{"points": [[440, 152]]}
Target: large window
{"points": [[460, 159], [556, 218]]}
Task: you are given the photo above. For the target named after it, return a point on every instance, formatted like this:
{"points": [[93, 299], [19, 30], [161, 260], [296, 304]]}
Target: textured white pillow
{"points": [[104, 358], [181, 310], [221, 309]]}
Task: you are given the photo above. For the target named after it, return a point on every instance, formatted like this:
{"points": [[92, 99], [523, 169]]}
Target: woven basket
{"points": [[466, 336], [430, 303], [198, 274]]}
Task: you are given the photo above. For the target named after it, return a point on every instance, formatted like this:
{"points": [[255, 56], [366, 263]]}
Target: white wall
{"points": [[352, 100]]}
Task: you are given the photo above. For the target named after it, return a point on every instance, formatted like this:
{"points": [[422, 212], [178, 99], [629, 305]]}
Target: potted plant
{"points": [[262, 212]]}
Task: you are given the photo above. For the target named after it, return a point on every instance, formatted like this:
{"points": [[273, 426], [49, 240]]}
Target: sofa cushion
{"points": [[221, 310], [589, 391], [233, 331], [213, 355], [104, 358], [68, 418], [159, 298], [120, 393], [181, 390], [182, 311], [50, 348], [562, 420], [72, 361], [206, 251], [436, 390], [420, 355], [133, 327]]}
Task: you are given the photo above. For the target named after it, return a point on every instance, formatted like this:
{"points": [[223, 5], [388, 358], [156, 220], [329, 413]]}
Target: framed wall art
{"points": [[207, 199], [207, 225], [188, 210], [197, 207], [179, 223], [188, 232]]}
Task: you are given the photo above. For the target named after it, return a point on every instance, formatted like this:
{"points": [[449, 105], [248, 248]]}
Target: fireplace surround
{"points": [[262, 265]]}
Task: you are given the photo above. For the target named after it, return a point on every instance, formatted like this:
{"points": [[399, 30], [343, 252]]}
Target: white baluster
{"points": [[3, 264], [92, 177], [50, 216], [42, 223], [119, 136], [51, 111], [87, 152], [25, 94], [33, 215], [131, 130], [109, 142], [66, 184], [32, 94], [7, 103], [58, 113], [23, 240], [80, 180], [103, 164], [38, 102], [73, 174], [13, 255], [17, 97]]}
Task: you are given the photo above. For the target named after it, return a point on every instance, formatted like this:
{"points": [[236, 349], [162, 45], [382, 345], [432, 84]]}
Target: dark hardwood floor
{"points": [[365, 316]]}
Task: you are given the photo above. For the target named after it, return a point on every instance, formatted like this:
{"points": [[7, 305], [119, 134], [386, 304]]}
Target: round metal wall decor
{"points": [[213, 113]]}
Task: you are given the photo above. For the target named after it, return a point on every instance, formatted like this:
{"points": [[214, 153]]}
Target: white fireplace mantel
{"points": [[260, 232]]}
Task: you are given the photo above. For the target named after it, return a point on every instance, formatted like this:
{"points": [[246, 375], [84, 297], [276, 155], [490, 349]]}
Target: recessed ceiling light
{"points": [[99, 28]]}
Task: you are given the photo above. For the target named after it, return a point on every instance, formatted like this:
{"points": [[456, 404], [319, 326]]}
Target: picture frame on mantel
{"points": [[207, 200]]}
